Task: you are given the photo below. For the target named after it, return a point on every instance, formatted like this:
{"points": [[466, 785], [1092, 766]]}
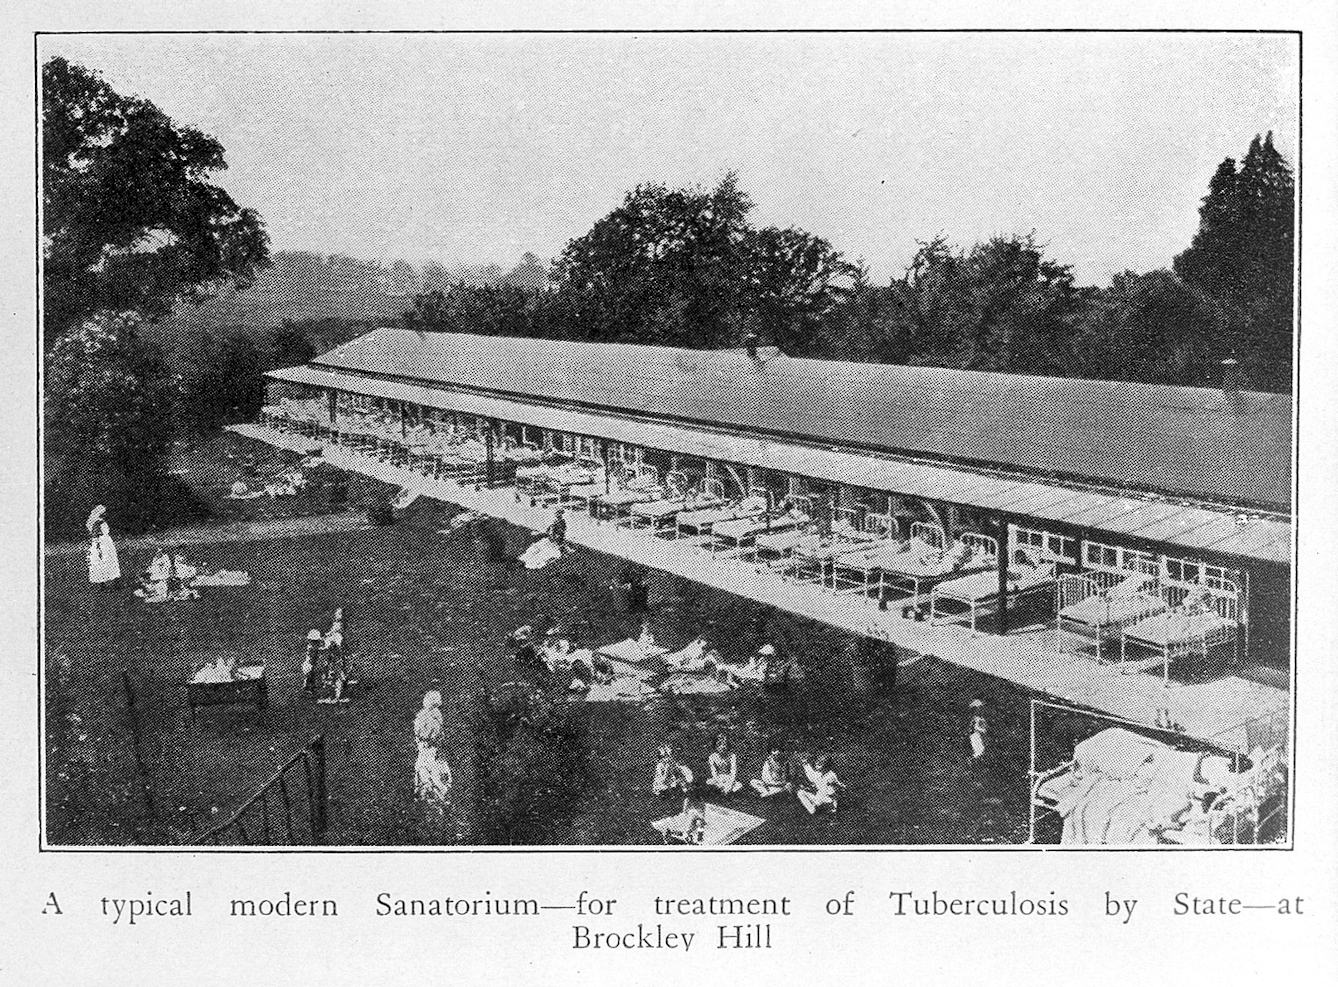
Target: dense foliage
{"points": [[1243, 254], [108, 422], [531, 762]]}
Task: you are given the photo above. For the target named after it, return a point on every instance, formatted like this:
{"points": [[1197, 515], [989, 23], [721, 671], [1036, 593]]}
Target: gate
{"points": [[288, 809]]}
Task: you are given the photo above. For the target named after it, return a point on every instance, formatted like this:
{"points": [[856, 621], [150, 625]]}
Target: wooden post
{"points": [[318, 813], [145, 791], [1031, 781], [1003, 560], [491, 462]]}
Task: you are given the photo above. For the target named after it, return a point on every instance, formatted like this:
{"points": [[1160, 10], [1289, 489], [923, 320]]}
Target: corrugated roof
{"points": [[1174, 524], [1184, 441]]}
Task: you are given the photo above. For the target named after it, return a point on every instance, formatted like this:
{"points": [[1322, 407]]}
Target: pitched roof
{"points": [[1183, 441]]}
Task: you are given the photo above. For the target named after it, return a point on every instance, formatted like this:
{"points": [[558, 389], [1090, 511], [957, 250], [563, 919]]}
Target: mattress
{"points": [[711, 516], [1099, 610], [748, 526], [984, 585], [1176, 626]]}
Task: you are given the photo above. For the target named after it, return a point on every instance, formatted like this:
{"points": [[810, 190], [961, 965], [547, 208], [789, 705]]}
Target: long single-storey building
{"points": [[1193, 485]]}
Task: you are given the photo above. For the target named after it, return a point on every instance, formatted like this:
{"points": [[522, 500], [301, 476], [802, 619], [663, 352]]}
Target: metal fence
{"points": [[288, 809]]}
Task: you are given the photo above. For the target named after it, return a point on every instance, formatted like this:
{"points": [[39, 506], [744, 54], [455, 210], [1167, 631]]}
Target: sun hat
{"points": [[767, 649], [314, 635]]}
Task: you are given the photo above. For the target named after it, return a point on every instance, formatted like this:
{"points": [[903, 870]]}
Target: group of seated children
{"points": [[168, 577], [325, 666], [812, 780]]}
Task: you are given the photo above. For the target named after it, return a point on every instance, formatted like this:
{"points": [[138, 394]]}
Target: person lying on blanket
{"points": [[773, 780], [824, 782], [724, 767], [670, 775]]}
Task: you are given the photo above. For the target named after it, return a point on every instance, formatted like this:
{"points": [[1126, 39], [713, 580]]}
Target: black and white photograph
{"points": [[684, 441]]}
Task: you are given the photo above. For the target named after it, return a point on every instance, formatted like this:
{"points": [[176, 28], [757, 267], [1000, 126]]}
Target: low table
{"points": [[249, 686]]}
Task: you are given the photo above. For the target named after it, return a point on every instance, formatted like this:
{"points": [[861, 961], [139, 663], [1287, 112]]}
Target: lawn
{"points": [[429, 608]]}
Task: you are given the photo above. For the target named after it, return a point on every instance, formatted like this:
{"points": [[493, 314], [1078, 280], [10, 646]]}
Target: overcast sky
{"points": [[476, 148]]}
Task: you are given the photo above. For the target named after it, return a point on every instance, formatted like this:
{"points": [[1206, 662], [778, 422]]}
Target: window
{"points": [[1047, 545]]}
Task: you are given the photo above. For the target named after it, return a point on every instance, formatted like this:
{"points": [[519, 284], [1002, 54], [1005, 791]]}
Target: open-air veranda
{"points": [[853, 569]]}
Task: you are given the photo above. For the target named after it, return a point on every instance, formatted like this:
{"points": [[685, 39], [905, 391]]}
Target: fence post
{"points": [[318, 753], [145, 791]]}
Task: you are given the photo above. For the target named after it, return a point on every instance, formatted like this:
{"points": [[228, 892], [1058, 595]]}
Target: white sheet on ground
{"points": [[723, 826]]}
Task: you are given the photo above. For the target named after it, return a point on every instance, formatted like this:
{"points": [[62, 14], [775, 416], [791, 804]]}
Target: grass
{"points": [[427, 609]]}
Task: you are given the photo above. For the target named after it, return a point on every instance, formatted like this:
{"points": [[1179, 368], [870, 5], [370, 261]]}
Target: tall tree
{"points": [[291, 344], [1001, 306], [1156, 329], [108, 408], [795, 282], [665, 266], [131, 221], [486, 310], [1243, 253]]}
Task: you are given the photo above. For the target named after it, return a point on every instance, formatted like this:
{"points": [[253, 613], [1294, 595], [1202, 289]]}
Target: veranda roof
{"points": [[1231, 448], [1163, 522]]}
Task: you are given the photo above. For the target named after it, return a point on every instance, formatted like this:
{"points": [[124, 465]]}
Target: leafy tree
{"points": [[290, 345], [487, 310], [224, 382], [131, 221], [795, 282], [1002, 306], [108, 412], [1156, 329], [1243, 253], [666, 266]]}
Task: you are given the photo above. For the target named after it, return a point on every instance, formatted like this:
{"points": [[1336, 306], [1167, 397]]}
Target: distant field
{"points": [[263, 308]]}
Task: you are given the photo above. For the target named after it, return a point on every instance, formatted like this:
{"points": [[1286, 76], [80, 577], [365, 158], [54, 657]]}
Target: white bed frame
{"points": [[1223, 595], [704, 532], [1074, 588], [855, 564], [911, 586], [746, 547], [988, 604], [621, 513], [676, 487]]}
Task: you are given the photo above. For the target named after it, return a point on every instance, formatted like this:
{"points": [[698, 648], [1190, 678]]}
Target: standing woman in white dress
{"points": [[432, 775], [104, 565]]}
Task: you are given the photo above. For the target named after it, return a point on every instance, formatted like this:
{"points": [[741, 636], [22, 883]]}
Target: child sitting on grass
{"points": [[825, 783], [670, 775], [773, 780], [724, 767]]}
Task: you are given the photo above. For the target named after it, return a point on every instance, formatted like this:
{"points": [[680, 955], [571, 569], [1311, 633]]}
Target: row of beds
{"points": [[1137, 618]]}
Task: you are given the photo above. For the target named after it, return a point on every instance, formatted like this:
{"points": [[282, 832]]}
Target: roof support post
{"points": [[1002, 560]]}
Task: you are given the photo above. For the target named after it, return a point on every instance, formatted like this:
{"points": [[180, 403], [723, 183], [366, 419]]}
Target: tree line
{"points": [[685, 267], [134, 225]]}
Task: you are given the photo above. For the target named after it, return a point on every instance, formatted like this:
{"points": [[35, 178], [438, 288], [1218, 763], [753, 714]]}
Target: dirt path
{"points": [[240, 531]]}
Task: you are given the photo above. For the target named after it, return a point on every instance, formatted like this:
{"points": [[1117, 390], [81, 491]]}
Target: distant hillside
{"points": [[308, 287]]}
